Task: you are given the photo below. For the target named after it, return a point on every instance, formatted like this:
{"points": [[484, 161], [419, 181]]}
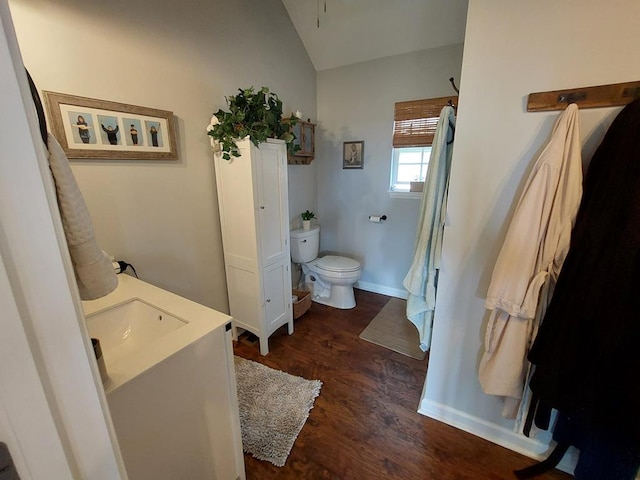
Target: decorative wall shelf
{"points": [[305, 139]]}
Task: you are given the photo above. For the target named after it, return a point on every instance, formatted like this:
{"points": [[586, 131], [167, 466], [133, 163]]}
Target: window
{"points": [[409, 164], [414, 126]]}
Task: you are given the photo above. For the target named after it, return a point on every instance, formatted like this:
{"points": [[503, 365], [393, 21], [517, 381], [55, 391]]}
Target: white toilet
{"points": [[330, 278]]}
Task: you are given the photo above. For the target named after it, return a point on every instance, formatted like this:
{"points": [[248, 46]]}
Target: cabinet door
{"points": [[200, 442], [243, 287], [236, 203], [272, 203], [307, 139], [276, 283], [297, 131]]}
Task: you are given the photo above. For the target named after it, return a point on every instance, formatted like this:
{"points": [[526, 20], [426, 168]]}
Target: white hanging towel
{"points": [[421, 278], [94, 271], [530, 260]]}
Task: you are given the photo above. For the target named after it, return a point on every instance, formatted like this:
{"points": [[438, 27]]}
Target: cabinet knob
{"points": [[303, 241], [268, 300], [261, 207]]}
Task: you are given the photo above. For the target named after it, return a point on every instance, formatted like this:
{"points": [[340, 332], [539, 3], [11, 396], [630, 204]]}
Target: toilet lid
{"points": [[333, 263]]}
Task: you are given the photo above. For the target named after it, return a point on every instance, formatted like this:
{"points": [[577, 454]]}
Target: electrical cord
{"points": [[124, 266]]}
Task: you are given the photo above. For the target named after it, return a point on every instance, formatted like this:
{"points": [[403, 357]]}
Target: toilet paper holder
{"points": [[377, 218]]}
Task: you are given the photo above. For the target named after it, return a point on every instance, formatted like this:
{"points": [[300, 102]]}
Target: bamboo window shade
{"points": [[415, 121]]}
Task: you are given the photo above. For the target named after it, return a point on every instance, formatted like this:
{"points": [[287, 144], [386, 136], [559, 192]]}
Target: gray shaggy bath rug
{"points": [[273, 409]]}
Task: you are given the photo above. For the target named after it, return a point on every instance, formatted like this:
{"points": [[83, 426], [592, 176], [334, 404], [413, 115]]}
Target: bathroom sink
{"points": [[140, 327], [125, 328], [169, 382]]}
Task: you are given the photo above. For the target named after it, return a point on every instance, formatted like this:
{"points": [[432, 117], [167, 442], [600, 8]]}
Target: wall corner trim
{"points": [[382, 289], [494, 433]]}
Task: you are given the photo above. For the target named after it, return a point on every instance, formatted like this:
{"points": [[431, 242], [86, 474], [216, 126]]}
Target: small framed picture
{"points": [[99, 129], [353, 154]]}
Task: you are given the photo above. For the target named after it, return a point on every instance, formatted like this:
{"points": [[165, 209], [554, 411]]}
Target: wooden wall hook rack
{"points": [[585, 97]]}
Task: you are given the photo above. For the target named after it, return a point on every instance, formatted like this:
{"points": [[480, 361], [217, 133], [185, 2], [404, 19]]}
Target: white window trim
{"points": [[392, 180], [414, 195]]}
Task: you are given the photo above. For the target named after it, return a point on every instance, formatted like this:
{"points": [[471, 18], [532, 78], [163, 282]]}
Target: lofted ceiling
{"points": [[353, 31]]}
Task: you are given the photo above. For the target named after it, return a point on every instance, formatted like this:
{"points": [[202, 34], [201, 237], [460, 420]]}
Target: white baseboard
{"points": [[494, 433], [375, 288]]}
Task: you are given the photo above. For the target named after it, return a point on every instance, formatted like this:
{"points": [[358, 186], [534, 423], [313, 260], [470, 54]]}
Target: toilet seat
{"points": [[334, 263]]}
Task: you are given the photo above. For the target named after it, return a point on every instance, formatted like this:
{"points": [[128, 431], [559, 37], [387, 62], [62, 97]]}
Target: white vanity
{"points": [[172, 386]]}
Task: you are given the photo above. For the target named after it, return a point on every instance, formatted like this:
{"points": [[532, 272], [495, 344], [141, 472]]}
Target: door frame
{"points": [[52, 375]]}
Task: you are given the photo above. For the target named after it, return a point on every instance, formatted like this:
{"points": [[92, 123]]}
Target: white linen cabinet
{"points": [[254, 216]]}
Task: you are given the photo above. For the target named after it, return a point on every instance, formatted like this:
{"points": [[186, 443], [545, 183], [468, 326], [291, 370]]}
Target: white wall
{"points": [[357, 103], [162, 217], [53, 411], [511, 50]]}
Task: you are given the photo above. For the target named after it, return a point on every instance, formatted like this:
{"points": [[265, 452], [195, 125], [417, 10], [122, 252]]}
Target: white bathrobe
{"points": [[421, 279], [527, 268]]}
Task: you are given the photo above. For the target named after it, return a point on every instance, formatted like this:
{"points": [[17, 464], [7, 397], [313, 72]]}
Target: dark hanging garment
{"points": [[587, 352]]}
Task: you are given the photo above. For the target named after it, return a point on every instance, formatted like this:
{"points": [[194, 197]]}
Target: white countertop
{"points": [[201, 320]]}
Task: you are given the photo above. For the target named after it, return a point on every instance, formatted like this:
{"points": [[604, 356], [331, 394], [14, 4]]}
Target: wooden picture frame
{"points": [[353, 155], [98, 129]]}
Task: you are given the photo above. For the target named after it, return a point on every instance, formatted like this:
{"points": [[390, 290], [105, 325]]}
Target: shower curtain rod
{"points": [[453, 84]]}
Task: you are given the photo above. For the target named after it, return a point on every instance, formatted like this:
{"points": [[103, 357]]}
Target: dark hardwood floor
{"points": [[364, 424]]}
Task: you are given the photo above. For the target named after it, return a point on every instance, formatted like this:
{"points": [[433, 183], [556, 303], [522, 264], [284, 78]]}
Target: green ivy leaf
{"points": [[254, 114]]}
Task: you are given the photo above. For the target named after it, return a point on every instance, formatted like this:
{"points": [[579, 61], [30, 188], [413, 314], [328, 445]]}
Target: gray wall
{"points": [[356, 103], [184, 57], [507, 56]]}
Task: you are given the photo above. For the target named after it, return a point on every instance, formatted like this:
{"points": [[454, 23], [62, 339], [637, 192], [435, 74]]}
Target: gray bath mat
{"points": [[273, 409], [391, 329]]}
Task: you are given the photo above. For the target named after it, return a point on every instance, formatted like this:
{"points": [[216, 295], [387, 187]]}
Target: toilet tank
{"points": [[305, 244]]}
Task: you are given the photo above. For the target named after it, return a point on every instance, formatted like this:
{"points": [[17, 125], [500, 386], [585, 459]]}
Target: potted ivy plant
{"points": [[306, 219], [257, 115]]}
